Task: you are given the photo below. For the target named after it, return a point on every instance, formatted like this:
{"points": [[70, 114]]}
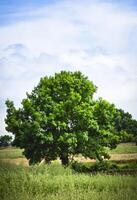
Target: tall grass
{"points": [[48, 182]]}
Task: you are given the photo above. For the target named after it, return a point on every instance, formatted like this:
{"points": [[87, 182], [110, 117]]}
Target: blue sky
{"points": [[12, 11], [17, 4], [97, 37], [9, 8]]}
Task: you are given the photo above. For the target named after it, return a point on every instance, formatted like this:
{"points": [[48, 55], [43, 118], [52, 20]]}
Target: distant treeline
{"points": [[125, 122], [5, 140]]}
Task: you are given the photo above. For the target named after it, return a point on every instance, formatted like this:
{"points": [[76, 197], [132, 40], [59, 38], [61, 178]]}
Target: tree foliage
{"points": [[125, 122], [60, 118], [5, 140]]}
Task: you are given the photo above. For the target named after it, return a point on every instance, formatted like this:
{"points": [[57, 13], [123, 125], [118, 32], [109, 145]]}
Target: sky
{"points": [[41, 37]]}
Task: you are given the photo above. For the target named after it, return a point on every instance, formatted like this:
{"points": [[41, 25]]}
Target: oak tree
{"points": [[60, 118]]}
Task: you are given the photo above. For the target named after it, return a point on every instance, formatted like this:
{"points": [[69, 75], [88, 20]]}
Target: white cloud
{"points": [[97, 38]]}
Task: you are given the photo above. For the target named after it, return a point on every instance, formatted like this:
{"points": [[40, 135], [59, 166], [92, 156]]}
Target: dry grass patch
{"points": [[16, 161]]}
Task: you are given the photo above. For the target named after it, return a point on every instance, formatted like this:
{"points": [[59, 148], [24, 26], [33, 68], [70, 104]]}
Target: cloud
{"points": [[95, 37]]}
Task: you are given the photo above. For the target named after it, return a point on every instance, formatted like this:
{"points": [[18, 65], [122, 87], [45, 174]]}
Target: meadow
{"points": [[48, 182], [11, 152], [55, 182], [124, 148]]}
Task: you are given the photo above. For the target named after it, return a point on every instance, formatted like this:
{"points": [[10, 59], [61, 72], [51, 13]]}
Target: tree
{"points": [[125, 122], [60, 118], [5, 140]]}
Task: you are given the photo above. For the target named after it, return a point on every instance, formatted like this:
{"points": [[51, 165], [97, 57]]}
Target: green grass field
{"points": [[11, 152], [54, 182], [124, 149]]}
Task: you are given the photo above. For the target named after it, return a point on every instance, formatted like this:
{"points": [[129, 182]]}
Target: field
{"points": [[10, 152], [125, 148], [48, 182]]}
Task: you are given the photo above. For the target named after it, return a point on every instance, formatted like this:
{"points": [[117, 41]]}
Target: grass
{"points": [[54, 182], [11, 153], [124, 148]]}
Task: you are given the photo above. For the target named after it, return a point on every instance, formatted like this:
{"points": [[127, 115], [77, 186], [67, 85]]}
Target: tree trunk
{"points": [[64, 159]]}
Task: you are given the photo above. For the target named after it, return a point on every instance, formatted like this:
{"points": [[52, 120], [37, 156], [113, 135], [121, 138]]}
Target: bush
{"points": [[95, 167], [81, 167]]}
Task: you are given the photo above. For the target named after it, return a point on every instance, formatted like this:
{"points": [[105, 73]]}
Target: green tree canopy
{"points": [[5, 140], [60, 118], [125, 122]]}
